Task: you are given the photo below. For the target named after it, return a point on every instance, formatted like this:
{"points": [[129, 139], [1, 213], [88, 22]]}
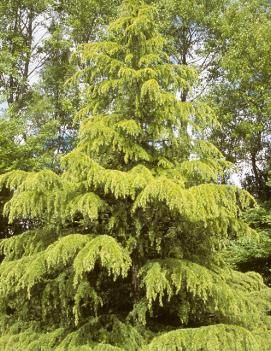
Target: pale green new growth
{"points": [[211, 338], [105, 250], [219, 291]]}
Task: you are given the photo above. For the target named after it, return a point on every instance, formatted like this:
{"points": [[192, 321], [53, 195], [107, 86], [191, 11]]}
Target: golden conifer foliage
{"points": [[123, 248]]}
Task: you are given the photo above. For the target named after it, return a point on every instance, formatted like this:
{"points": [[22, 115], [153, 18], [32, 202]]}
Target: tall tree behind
{"points": [[229, 43], [19, 23], [242, 95], [37, 40], [190, 27], [56, 102]]}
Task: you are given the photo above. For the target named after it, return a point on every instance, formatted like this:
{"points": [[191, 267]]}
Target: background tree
{"points": [[242, 95], [254, 254], [37, 40], [20, 21], [191, 27]]}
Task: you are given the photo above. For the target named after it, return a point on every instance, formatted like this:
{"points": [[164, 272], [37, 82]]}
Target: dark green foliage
{"points": [[254, 254]]}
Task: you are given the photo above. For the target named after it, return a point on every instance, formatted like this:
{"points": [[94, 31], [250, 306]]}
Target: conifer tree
{"points": [[124, 247]]}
